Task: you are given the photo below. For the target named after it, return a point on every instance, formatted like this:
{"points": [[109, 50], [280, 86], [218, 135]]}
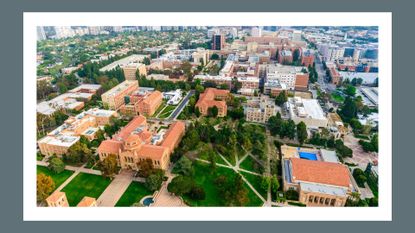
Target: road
{"points": [[181, 106], [322, 77]]}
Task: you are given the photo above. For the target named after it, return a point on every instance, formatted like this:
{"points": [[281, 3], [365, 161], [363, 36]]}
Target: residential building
{"points": [[131, 69], [84, 124], [57, 199], [319, 183], [135, 143], [308, 111], [114, 98], [260, 109], [256, 32], [285, 57], [249, 82], [213, 97], [307, 58]]}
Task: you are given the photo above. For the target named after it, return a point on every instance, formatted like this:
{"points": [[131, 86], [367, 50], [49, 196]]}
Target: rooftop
{"points": [[319, 172]]}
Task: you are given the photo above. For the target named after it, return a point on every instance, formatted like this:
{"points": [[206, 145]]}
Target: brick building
{"points": [[213, 97]]}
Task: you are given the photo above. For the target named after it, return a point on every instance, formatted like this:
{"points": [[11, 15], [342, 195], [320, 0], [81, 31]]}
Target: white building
{"points": [[284, 74], [135, 58], [256, 32], [308, 111], [173, 97]]}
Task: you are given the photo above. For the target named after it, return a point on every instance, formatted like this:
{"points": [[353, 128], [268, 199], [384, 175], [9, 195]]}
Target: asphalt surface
{"points": [[181, 106]]}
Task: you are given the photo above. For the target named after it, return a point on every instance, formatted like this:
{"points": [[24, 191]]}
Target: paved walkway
{"points": [[116, 189], [163, 198]]}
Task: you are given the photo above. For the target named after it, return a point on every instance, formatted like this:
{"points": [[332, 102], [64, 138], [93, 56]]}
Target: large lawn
{"points": [[167, 111], [205, 177], [218, 159], [255, 181], [250, 164], [133, 194], [57, 178], [162, 105], [85, 185]]}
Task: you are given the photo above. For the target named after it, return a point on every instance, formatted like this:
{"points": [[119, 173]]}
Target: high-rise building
{"points": [[218, 42], [41, 35], [256, 32], [64, 32]]}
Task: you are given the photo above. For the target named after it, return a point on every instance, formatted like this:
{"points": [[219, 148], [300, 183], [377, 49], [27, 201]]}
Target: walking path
{"points": [[164, 198], [116, 189]]}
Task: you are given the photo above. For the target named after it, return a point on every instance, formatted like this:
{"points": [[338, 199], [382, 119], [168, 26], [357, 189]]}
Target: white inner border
{"points": [[383, 20]]}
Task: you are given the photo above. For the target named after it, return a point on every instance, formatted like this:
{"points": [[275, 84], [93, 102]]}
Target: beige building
{"points": [[87, 202], [114, 98], [57, 199], [201, 56], [131, 69], [260, 109], [323, 184], [85, 124], [308, 111], [135, 143]]}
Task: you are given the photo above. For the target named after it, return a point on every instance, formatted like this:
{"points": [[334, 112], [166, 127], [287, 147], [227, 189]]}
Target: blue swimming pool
{"points": [[148, 201], [308, 155]]}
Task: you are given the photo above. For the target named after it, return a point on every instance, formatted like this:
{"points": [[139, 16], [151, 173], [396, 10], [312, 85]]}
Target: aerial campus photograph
{"points": [[207, 116]]}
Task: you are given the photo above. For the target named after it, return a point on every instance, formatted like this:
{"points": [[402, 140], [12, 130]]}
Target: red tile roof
{"points": [[173, 135], [110, 146], [320, 172], [130, 127], [86, 202], [152, 151]]}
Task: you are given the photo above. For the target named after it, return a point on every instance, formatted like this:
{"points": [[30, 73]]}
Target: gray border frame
{"points": [[12, 116]]}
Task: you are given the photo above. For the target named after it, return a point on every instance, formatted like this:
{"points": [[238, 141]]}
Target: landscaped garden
{"points": [[167, 111], [255, 181], [85, 185], [206, 178], [58, 178], [250, 164], [133, 194]]}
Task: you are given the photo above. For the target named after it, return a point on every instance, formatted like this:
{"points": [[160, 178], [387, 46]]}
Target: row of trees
{"points": [[287, 128]]}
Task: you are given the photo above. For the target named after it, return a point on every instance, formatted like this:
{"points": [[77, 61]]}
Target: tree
{"points": [[214, 57], [197, 112], [180, 185], [281, 98], [56, 165], [154, 181], [265, 183], [275, 185], [360, 177], [350, 90], [44, 186], [348, 110], [146, 61], [213, 111], [78, 153], [184, 166], [146, 168], [197, 193], [109, 166], [302, 132]]}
